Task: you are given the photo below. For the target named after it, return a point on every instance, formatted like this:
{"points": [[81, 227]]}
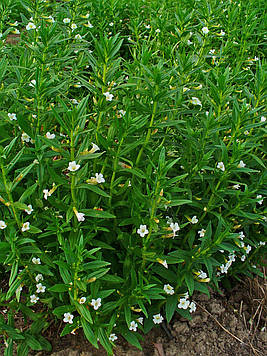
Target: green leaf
{"points": [[131, 338], [177, 202], [88, 332], [189, 280], [127, 313], [104, 341], [184, 313], [33, 342], [98, 214], [84, 312], [95, 265], [29, 250], [13, 273], [170, 307], [59, 288], [94, 189]]}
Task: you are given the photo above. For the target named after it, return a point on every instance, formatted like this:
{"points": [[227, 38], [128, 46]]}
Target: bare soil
{"points": [[231, 323]]}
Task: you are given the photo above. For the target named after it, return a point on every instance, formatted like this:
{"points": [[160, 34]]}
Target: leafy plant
{"points": [[132, 162]]}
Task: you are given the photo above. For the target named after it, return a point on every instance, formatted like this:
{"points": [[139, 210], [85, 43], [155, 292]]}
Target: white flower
{"points": [[68, 318], [202, 275], [241, 164], [247, 249], [108, 96], [112, 337], [30, 26], [94, 148], [196, 101], [96, 303], [243, 258], [241, 235], [205, 30], [142, 231], [222, 33], [40, 288], [74, 101], [66, 20], [82, 300], [99, 178], [192, 307], [50, 136], [122, 112], [32, 83], [164, 263], [262, 243], [189, 42], [224, 268], [80, 216], [89, 24], [220, 166], [263, 119], [169, 220], [39, 277], [140, 320], [25, 226], [3, 225], [73, 166], [147, 26], [34, 298], [231, 257], [157, 319], [183, 303], [12, 116], [175, 227], [111, 24], [186, 295], [46, 193], [168, 289], [157, 30], [29, 209], [78, 37], [25, 137], [259, 197], [36, 261], [51, 19], [73, 26], [194, 220], [201, 232], [133, 326], [236, 186], [212, 51]]}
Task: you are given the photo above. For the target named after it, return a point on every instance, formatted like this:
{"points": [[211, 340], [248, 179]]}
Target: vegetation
{"points": [[132, 164]]}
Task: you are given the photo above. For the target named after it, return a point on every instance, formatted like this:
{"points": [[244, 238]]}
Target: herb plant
{"points": [[132, 163]]}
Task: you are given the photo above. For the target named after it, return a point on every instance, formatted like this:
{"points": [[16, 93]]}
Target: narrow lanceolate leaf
{"points": [[98, 214], [170, 307], [94, 189], [84, 312], [88, 332], [131, 338]]}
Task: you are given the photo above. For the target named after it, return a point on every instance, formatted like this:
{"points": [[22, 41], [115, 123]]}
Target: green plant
{"points": [[132, 165]]}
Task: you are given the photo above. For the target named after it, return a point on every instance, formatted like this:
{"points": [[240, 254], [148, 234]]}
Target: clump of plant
{"points": [[132, 165]]}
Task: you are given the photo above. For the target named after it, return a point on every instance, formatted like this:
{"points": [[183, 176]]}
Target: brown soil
{"points": [[233, 323], [224, 325]]}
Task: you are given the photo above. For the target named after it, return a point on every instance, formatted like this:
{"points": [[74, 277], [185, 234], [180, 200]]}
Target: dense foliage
{"points": [[132, 165]]}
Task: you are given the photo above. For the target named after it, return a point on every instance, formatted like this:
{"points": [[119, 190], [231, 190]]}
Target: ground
{"points": [[231, 323]]}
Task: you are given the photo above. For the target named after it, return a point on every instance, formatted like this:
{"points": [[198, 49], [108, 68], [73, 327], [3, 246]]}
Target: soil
{"points": [[230, 323]]}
